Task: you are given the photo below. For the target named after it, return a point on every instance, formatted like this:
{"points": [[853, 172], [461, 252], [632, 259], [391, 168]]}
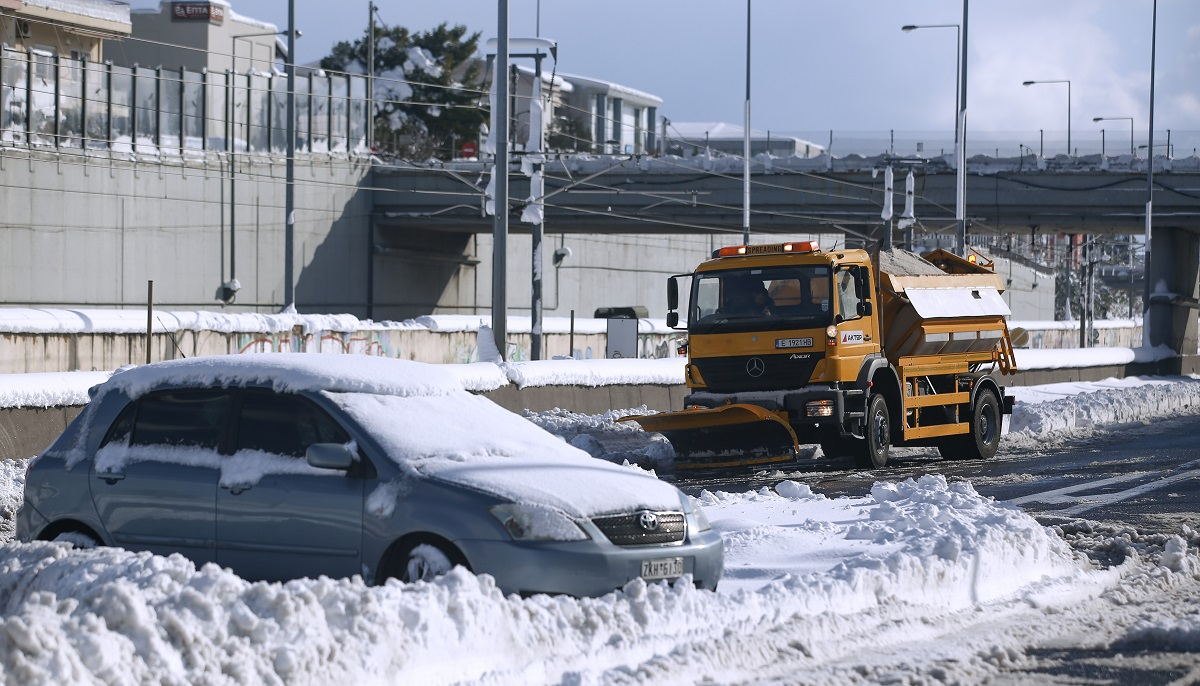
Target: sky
{"points": [[846, 65], [944, 584]]}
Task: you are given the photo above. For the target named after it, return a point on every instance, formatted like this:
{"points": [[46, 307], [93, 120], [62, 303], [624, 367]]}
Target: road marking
{"points": [[1085, 503], [1061, 495], [1111, 498]]}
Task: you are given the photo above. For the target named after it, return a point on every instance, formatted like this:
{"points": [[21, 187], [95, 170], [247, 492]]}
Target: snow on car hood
{"points": [[291, 373], [469, 440]]}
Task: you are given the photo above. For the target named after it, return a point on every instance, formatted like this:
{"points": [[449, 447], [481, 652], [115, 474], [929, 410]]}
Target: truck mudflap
{"points": [[734, 435]]}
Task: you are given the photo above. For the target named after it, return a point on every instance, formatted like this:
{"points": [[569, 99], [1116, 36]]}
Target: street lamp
{"points": [[957, 63], [1128, 119], [1030, 83]]}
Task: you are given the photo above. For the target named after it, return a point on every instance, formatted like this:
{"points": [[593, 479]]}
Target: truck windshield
{"points": [[761, 299]]}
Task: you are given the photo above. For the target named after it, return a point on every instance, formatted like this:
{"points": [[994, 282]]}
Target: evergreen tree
{"points": [[427, 87]]}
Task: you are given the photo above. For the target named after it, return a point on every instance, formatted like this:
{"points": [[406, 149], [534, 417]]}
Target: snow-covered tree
{"points": [[427, 87]]}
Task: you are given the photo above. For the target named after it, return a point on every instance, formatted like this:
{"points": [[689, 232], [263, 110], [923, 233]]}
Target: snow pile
{"points": [[49, 389], [910, 555], [667, 371], [1074, 358], [59, 321], [604, 437], [1079, 409]]}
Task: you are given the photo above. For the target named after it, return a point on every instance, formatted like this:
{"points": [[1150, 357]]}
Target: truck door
{"points": [[854, 318]]}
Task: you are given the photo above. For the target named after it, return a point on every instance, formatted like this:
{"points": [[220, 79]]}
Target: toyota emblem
{"points": [[755, 367], [648, 521]]}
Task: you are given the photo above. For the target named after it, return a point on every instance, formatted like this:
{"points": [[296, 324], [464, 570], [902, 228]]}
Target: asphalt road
{"points": [[1141, 477]]}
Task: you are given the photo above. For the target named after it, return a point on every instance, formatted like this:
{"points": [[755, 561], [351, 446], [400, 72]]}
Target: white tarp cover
{"points": [[957, 302]]}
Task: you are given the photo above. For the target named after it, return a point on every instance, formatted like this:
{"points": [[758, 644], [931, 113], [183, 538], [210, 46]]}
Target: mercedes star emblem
{"points": [[755, 367]]}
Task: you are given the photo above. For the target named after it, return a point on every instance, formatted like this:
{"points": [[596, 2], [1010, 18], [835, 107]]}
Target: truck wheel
{"points": [[986, 422], [983, 440], [877, 435]]}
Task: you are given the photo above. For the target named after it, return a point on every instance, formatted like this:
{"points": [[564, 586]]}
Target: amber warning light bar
{"points": [[769, 249]]}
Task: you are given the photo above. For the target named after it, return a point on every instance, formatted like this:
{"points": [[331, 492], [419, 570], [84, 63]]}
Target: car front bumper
{"points": [[587, 568]]}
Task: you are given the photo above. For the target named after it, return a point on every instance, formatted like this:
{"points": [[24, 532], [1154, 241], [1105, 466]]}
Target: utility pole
{"points": [[500, 172], [960, 211], [370, 76], [289, 235]]}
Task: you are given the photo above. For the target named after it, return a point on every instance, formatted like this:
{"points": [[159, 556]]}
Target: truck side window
{"points": [[847, 294]]}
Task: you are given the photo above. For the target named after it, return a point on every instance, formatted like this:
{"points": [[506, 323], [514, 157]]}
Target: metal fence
{"points": [[52, 101]]}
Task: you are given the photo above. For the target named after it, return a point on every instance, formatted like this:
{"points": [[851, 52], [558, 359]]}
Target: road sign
{"points": [[469, 149]]}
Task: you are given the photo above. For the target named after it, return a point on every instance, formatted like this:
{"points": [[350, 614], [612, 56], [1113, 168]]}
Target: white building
{"points": [[620, 119], [691, 138]]}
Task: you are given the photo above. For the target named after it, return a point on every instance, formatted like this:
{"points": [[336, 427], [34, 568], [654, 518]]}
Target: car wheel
{"points": [[877, 435], [77, 539], [424, 561]]}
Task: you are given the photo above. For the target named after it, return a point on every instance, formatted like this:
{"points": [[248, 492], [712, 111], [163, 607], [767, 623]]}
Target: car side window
{"points": [[188, 417], [283, 424]]}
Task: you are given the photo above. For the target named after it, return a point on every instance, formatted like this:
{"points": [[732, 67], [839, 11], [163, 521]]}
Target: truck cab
{"points": [[788, 344]]}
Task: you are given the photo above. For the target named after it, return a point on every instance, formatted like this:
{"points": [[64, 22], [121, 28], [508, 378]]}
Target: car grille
{"points": [[775, 372], [626, 529]]}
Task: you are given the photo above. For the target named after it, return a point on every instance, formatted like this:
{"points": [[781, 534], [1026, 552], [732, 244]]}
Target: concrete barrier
{"points": [[25, 432]]}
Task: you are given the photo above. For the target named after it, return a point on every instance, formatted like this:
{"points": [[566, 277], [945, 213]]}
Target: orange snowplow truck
{"points": [[789, 345]]}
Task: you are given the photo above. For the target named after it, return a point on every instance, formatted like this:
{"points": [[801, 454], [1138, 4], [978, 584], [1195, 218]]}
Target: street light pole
{"points": [[957, 62], [1128, 119], [1030, 83]]}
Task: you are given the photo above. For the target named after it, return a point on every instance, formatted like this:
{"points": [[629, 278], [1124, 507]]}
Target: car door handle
{"points": [[111, 478], [236, 490]]}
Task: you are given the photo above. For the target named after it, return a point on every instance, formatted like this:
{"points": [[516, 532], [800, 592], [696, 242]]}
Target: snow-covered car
{"points": [[283, 466]]}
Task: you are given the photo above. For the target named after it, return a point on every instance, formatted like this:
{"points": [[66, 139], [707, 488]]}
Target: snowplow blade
{"points": [[727, 436]]}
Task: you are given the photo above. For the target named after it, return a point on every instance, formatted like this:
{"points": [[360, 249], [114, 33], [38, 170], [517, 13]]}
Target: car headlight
{"points": [[696, 520], [525, 522]]}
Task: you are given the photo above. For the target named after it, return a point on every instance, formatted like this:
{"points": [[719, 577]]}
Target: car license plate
{"points": [[793, 343], [662, 568]]}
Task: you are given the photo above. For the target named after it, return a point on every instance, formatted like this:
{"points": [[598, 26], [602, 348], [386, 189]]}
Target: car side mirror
{"points": [[864, 308], [329, 456], [672, 320], [672, 294]]}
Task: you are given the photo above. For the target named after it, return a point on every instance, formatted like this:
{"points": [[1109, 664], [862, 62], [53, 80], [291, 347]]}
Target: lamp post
{"points": [[1128, 119], [1030, 83], [957, 62]]}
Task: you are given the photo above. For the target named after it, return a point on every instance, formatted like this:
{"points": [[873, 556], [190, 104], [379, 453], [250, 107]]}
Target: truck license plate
{"points": [[662, 568], [781, 343]]}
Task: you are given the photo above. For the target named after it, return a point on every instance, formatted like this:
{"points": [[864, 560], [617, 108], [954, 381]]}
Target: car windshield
{"points": [[760, 299]]}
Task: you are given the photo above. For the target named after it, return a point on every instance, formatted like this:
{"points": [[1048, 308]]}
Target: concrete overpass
{"points": [[1075, 195], [650, 195]]}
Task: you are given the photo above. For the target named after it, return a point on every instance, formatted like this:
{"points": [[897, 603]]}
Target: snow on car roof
{"points": [[291, 373]]}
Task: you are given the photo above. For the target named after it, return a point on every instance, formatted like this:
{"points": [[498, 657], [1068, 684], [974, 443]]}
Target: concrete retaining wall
{"points": [[25, 353], [24, 432]]}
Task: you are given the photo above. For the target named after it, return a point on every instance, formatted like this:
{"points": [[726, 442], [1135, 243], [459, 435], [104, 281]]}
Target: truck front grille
{"points": [[628, 529], [757, 372]]}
